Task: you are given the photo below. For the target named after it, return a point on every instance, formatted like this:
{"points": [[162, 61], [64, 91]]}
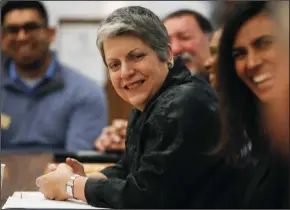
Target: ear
{"points": [[3, 43], [108, 75], [209, 36], [170, 54], [51, 34]]}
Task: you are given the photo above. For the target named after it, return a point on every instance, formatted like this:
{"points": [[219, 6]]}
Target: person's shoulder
{"points": [[80, 86], [200, 87], [192, 91], [73, 78]]}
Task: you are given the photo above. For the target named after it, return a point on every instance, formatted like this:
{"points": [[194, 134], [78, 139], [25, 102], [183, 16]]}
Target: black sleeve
{"points": [[175, 162], [118, 171]]}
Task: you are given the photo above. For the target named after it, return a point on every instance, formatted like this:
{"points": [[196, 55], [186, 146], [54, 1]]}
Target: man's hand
{"points": [[113, 137]]}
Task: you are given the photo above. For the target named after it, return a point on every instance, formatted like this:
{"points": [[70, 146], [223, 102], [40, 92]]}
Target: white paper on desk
{"points": [[37, 200]]}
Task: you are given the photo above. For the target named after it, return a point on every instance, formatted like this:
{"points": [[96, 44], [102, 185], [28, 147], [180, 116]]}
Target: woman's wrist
{"points": [[79, 188]]}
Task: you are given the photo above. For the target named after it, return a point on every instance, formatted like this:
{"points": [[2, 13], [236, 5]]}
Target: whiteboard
{"points": [[76, 47]]}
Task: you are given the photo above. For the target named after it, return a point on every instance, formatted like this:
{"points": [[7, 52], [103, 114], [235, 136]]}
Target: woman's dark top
{"points": [[268, 185], [166, 145]]}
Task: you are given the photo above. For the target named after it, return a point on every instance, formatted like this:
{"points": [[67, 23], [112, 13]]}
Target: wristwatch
{"points": [[70, 185]]}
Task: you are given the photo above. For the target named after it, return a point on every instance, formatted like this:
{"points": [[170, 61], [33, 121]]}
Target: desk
{"points": [[2, 202], [36, 201], [91, 167], [21, 171]]}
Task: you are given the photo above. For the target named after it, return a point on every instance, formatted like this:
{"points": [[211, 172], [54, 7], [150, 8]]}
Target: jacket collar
{"points": [[176, 75]]}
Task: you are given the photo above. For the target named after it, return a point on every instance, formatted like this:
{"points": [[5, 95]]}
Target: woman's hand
{"points": [[76, 166], [53, 184]]}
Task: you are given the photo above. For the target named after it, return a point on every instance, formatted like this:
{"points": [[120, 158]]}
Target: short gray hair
{"points": [[137, 21]]}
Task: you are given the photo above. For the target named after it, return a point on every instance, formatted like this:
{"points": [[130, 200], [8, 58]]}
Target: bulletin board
{"points": [[76, 47]]}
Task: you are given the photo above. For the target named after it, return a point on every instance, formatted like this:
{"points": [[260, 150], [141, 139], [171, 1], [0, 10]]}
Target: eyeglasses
{"points": [[28, 27]]}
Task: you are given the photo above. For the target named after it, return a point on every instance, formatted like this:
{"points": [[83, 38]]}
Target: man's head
{"points": [[189, 34], [26, 36]]}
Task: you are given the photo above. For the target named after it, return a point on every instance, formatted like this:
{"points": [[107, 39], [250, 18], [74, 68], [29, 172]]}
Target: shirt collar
{"points": [[49, 73]]}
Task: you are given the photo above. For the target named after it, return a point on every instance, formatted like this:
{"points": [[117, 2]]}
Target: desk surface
{"points": [[36, 200], [89, 156], [91, 167], [22, 169]]}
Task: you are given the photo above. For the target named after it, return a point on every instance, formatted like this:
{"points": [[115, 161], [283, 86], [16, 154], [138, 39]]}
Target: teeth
{"points": [[25, 49], [134, 85], [262, 77]]}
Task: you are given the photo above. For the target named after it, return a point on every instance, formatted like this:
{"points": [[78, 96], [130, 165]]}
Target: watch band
{"points": [[70, 185]]}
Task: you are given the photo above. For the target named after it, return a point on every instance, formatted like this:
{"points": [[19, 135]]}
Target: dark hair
{"points": [[13, 5], [238, 105], [203, 23]]}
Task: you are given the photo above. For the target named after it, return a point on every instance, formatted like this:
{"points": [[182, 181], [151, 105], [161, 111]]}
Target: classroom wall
{"points": [[99, 10]]}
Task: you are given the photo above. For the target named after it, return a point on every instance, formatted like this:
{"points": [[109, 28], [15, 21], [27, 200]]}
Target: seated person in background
{"points": [[253, 84], [173, 125], [210, 63], [113, 137], [189, 34], [44, 104]]}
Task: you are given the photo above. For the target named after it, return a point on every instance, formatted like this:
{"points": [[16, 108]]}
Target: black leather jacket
{"points": [[166, 148]]}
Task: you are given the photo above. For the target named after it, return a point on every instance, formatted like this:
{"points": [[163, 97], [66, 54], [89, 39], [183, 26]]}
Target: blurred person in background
{"points": [[44, 104], [113, 137], [189, 34], [253, 87], [211, 62]]}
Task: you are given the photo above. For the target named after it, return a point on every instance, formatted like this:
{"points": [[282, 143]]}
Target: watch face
{"points": [[70, 184], [69, 190]]}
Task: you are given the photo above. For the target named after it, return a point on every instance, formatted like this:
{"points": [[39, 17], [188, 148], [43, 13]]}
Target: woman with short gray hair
{"points": [[140, 22], [173, 124]]}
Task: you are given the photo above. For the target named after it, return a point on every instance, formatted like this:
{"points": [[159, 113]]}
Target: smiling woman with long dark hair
{"points": [[254, 96]]}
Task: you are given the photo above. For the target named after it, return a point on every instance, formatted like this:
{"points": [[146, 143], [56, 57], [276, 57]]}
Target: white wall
{"points": [[99, 10]]}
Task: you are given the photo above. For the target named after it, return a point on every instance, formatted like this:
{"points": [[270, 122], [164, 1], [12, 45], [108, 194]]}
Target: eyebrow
{"points": [[255, 40], [27, 22], [262, 37], [130, 52], [184, 31]]}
